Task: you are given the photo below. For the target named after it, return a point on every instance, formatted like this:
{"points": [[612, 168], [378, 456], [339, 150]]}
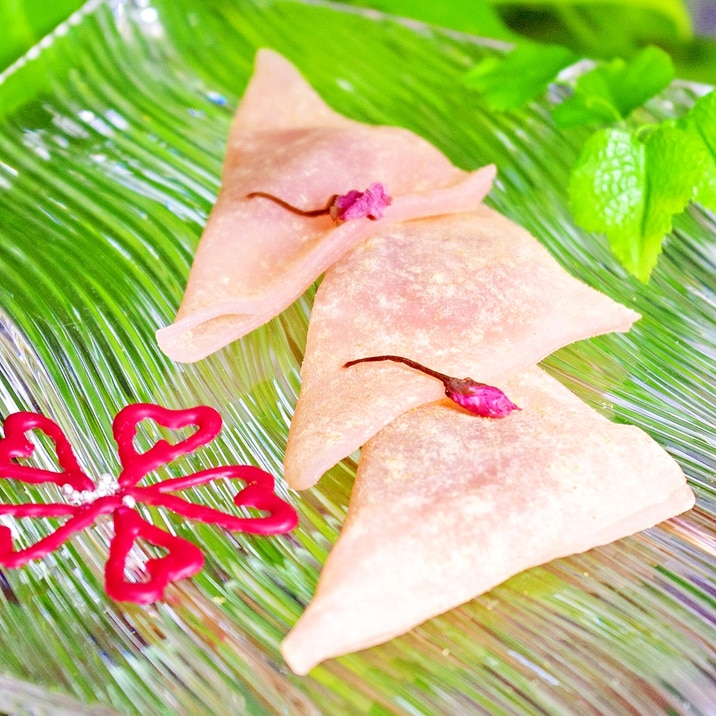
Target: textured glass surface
{"points": [[112, 134]]}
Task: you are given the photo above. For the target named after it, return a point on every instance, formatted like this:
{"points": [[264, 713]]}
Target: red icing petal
{"points": [[16, 445], [183, 559], [136, 465], [82, 517], [258, 493]]}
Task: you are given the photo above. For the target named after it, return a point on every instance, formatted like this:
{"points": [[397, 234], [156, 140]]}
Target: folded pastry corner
{"points": [[466, 294], [255, 257], [446, 506]]}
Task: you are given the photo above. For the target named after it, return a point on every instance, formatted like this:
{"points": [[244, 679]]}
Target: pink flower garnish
{"points": [[477, 398], [84, 500], [360, 204], [355, 204]]}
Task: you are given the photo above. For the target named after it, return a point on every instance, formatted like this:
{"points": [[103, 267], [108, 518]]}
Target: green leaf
{"points": [[700, 123], [612, 91], [576, 16], [25, 22], [473, 16], [630, 190], [512, 81]]}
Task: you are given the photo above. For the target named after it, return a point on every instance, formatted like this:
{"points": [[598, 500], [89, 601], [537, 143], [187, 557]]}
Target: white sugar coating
{"points": [[106, 486]]}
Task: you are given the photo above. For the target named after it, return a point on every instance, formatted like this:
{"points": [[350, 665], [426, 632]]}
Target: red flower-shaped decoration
{"points": [[85, 501]]}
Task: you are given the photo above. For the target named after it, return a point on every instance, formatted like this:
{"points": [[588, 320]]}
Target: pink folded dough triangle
{"points": [[470, 294], [447, 505], [255, 258]]}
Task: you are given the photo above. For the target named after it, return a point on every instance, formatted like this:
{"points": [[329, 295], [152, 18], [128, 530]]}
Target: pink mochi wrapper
{"points": [[469, 295], [255, 258], [447, 505]]}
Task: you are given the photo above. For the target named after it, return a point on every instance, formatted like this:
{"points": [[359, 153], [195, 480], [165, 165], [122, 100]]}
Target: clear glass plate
{"points": [[112, 135]]}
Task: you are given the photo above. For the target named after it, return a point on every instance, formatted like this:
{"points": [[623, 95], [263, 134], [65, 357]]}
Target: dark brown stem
{"points": [[294, 209], [406, 361]]}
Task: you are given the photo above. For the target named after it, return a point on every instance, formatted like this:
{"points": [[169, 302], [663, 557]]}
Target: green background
{"points": [[593, 28], [111, 147]]}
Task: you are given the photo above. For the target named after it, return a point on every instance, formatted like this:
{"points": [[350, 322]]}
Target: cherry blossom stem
{"points": [[294, 209], [481, 399], [406, 361]]}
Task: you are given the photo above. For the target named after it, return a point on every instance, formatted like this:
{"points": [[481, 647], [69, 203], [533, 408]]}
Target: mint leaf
{"points": [[613, 90], [513, 81], [630, 189], [700, 123]]}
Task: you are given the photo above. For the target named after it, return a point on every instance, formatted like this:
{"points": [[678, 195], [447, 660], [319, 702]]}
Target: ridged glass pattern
{"points": [[112, 134]]}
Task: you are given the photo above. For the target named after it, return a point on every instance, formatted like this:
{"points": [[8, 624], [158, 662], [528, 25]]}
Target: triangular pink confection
{"points": [[468, 295], [447, 505], [255, 258]]}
